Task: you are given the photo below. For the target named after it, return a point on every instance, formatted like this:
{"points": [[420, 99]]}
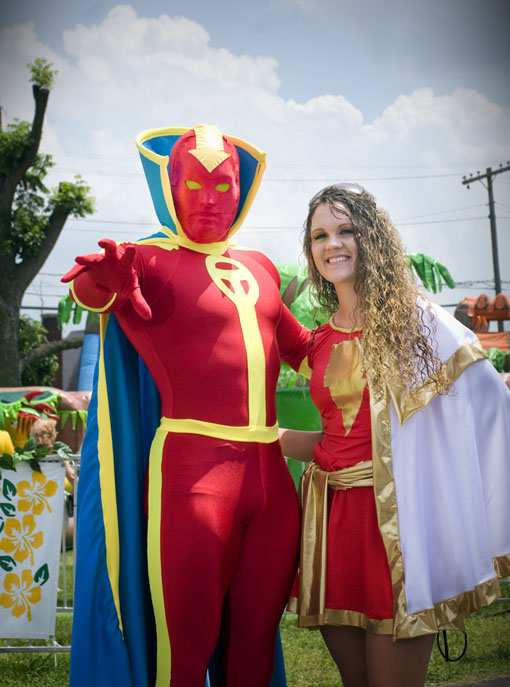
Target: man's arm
{"points": [[104, 281]]}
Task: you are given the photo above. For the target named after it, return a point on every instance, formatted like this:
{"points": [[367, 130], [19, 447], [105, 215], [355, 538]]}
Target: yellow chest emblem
{"points": [[237, 282], [345, 380]]}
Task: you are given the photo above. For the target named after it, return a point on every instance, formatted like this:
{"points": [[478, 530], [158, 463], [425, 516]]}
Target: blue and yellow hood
{"points": [[155, 147]]}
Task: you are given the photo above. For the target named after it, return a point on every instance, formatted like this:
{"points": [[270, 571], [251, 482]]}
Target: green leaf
{"points": [[445, 273], [1, 523], [42, 575], [77, 313], [8, 509], [8, 489], [7, 563], [34, 464], [7, 461]]}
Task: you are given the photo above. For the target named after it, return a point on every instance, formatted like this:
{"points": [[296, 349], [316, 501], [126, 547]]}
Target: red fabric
{"points": [[230, 516], [358, 575], [229, 530]]}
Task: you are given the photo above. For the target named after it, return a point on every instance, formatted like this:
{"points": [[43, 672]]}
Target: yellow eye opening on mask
{"points": [[193, 185], [222, 187]]}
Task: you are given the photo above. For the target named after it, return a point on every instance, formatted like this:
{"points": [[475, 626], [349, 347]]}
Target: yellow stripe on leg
{"points": [[163, 660]]}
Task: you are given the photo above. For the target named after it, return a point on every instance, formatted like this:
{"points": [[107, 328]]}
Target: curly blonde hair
{"points": [[397, 345]]}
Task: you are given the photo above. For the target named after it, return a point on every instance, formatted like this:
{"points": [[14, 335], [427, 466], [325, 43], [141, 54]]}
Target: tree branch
{"points": [[27, 269], [10, 182], [51, 347]]}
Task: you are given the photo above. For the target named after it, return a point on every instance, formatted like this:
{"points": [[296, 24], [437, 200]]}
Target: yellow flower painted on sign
{"points": [[35, 496], [19, 538], [20, 594]]}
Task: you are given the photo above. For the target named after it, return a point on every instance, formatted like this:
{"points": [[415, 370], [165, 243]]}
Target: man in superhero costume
{"points": [[204, 320]]}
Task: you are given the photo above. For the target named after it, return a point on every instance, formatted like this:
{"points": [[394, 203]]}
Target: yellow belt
{"points": [[261, 435], [314, 499]]}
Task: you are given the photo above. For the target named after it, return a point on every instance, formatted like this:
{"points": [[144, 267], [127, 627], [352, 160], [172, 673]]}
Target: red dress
{"points": [[358, 581]]}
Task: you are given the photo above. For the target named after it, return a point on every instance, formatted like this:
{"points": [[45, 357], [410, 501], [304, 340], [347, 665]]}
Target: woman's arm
{"points": [[297, 444]]}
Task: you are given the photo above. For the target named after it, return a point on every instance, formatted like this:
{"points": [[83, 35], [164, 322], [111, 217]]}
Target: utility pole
{"points": [[489, 175]]}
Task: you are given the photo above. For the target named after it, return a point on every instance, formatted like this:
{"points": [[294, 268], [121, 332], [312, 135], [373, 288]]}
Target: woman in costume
{"points": [[405, 501]]}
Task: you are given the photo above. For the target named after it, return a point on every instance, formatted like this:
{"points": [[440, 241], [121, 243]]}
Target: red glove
{"points": [[113, 271]]}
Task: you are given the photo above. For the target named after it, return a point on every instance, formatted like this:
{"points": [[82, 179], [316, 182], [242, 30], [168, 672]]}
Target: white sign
{"points": [[31, 512]]}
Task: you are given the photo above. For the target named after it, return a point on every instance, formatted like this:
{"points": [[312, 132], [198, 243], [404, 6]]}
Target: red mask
{"points": [[204, 176]]}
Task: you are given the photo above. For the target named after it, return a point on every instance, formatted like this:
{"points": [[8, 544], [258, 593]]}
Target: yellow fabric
{"points": [[230, 282], [304, 368], [102, 309], [314, 499], [173, 241], [163, 659], [107, 475], [345, 379], [261, 435], [209, 146]]}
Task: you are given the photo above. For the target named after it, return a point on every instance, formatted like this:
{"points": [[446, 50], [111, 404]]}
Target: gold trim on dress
{"points": [[333, 616], [345, 330], [314, 500]]}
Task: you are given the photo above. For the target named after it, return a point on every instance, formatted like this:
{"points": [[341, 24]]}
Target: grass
{"points": [[308, 663], [307, 660]]}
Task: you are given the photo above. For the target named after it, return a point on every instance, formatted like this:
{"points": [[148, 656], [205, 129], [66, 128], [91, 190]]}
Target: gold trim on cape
{"points": [[447, 614], [408, 402]]}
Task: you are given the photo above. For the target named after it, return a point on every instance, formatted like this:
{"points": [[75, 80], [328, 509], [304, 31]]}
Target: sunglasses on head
{"points": [[351, 187]]}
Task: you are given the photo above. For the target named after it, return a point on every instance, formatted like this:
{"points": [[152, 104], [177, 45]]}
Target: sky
{"points": [[405, 97]]}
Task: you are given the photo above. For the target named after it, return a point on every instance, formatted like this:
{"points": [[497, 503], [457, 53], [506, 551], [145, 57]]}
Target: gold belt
{"points": [[261, 435], [314, 500]]}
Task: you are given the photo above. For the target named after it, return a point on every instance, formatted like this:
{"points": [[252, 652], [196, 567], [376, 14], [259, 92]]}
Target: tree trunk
{"points": [[10, 372]]}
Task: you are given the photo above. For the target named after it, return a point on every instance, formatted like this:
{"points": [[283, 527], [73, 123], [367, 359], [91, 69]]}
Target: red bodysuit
{"points": [[229, 524], [358, 582], [223, 516]]}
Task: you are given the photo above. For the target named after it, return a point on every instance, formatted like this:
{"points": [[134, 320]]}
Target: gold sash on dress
{"points": [[314, 500]]}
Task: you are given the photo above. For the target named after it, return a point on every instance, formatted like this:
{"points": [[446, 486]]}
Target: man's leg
{"points": [[193, 541], [263, 577]]}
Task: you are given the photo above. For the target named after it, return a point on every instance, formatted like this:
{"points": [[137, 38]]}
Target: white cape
{"points": [[442, 486]]}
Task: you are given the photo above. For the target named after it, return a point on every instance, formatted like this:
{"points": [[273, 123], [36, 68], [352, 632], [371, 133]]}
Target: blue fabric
{"points": [[88, 359], [99, 654]]}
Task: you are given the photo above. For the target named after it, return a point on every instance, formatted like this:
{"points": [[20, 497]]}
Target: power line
{"points": [[247, 227], [332, 179]]}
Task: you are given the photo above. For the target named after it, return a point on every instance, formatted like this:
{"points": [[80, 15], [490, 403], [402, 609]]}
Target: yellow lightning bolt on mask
{"points": [[209, 146]]}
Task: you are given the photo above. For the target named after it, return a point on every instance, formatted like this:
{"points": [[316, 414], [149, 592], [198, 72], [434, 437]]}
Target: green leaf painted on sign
{"points": [[8, 509], [7, 563], [42, 575], [8, 489]]}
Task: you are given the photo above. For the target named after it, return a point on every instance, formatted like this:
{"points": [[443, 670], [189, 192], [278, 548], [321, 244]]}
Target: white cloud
{"points": [[130, 73]]}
